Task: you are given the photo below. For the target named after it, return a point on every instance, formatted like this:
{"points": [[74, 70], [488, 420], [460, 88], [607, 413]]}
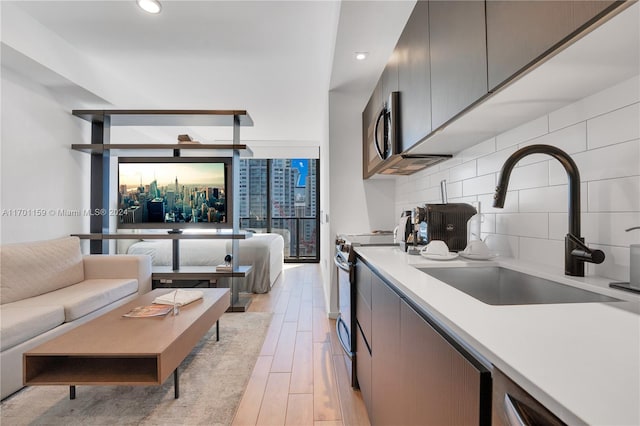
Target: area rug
{"points": [[212, 380]]}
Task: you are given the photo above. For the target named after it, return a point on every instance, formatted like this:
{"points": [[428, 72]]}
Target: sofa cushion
{"points": [[85, 297], [32, 269], [20, 323]]}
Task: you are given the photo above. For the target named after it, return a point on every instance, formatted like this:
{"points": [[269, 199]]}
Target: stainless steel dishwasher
{"points": [[513, 406]]}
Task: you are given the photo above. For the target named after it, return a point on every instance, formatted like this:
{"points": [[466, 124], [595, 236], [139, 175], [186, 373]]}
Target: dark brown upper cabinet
{"points": [[521, 33], [390, 77], [414, 81], [458, 57]]}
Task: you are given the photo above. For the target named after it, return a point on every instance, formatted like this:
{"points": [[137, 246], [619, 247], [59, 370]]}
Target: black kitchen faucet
{"points": [[575, 251]]}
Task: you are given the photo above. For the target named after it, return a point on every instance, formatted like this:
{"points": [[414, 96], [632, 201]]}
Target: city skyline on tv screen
{"points": [[165, 174], [171, 193]]}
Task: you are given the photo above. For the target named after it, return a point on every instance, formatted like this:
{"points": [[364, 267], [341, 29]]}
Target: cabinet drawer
{"points": [[363, 299], [363, 369], [363, 282], [363, 316]]}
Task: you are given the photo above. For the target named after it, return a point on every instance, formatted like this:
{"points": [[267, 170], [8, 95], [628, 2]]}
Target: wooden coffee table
{"points": [[115, 350]]}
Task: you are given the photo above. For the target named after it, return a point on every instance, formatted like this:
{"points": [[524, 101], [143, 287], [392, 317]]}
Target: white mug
{"points": [[477, 247], [436, 247]]}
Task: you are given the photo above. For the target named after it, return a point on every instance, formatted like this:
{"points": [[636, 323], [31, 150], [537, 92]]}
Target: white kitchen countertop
{"points": [[580, 360]]}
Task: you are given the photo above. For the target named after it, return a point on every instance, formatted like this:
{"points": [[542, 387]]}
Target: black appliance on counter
{"points": [[345, 260], [446, 222]]}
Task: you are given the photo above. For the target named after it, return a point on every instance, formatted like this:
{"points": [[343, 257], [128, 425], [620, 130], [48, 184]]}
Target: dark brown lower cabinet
{"points": [[387, 393], [442, 386], [363, 357], [409, 371]]}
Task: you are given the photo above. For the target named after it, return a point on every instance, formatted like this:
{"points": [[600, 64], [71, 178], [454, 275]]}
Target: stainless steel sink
{"points": [[500, 286]]}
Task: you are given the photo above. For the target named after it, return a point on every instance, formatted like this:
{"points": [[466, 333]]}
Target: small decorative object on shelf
{"points": [[186, 139], [227, 266]]}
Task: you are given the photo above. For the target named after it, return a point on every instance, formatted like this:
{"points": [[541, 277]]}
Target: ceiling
{"points": [[276, 59]]}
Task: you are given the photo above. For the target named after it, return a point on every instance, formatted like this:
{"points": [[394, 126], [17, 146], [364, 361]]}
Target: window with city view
{"points": [[281, 196]]}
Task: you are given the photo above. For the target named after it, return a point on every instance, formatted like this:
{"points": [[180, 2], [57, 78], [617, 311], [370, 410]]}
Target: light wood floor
{"points": [[301, 377]]}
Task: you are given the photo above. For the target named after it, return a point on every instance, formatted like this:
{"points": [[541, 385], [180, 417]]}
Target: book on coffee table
{"points": [[178, 297], [149, 311]]}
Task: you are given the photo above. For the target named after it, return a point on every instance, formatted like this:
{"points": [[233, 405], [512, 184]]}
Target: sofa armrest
{"points": [[120, 266]]}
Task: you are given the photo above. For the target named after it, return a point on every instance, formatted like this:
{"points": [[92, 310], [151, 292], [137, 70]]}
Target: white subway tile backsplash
{"points": [[464, 171], [493, 162], [615, 195], [531, 176], [609, 228], [558, 226], [544, 199], [488, 223], [534, 225], [483, 148], [502, 245], [454, 189], [620, 160], [445, 165], [523, 133], [433, 195], [602, 135], [469, 200], [571, 139], [558, 176], [618, 96], [480, 185], [617, 126], [546, 252], [434, 179], [615, 265]]}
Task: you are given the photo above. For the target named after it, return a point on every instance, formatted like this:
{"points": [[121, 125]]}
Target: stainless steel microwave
{"points": [[382, 148], [386, 128]]}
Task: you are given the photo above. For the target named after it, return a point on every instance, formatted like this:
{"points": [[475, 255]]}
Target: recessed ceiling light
{"points": [[151, 6], [361, 56]]}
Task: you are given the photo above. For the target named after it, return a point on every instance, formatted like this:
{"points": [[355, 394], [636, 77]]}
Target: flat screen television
{"points": [[174, 192]]}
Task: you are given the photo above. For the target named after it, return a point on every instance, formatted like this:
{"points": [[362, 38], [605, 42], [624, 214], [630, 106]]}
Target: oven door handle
{"points": [[341, 263], [341, 324]]}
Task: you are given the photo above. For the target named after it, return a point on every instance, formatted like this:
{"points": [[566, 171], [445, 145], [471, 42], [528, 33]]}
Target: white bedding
{"points": [[265, 252]]}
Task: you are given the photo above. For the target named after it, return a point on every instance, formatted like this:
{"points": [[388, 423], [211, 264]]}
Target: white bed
{"points": [[265, 252]]}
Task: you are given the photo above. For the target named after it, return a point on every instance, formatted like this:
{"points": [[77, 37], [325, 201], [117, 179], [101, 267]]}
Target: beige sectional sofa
{"points": [[49, 287]]}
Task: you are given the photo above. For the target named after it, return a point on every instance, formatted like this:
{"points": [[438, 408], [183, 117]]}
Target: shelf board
{"points": [[196, 272], [164, 117], [97, 148], [166, 236], [91, 370]]}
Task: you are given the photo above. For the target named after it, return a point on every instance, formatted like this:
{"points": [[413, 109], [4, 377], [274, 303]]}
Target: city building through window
{"points": [[281, 196]]}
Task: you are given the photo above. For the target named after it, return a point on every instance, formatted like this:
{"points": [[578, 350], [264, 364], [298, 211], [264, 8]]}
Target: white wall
{"points": [[602, 134], [40, 173], [356, 205]]}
